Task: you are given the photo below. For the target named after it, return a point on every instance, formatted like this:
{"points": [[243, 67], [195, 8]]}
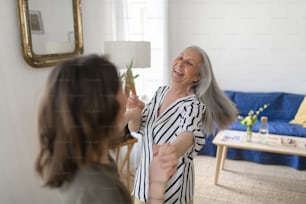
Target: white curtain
{"points": [[147, 20], [144, 20], [119, 19]]}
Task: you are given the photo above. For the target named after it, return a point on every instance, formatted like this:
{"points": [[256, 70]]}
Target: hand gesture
{"points": [[133, 114], [134, 102], [164, 162]]}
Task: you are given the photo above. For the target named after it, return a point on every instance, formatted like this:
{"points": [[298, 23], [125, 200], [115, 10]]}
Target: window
{"points": [[146, 20]]}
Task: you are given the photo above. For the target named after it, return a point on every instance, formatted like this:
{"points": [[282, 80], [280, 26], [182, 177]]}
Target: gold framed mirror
{"points": [[50, 31]]}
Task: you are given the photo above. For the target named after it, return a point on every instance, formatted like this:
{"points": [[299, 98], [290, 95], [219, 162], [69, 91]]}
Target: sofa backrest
{"points": [[283, 106]]}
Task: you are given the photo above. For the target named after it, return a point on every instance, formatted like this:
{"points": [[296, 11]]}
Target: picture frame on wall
{"points": [[36, 23], [71, 36]]}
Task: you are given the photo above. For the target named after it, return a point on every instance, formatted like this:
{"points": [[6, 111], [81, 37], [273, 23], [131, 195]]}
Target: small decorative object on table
{"points": [[250, 120], [288, 142]]}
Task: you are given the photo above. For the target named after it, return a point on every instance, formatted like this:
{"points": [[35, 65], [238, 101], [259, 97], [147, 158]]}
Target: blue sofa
{"points": [[282, 109]]}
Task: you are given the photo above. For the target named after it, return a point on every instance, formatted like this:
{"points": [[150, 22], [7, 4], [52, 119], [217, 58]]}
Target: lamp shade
{"points": [[122, 52]]}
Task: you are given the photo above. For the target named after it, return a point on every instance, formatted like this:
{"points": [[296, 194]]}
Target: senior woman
{"points": [[181, 114]]}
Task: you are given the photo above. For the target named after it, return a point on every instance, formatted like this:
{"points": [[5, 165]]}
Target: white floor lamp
{"points": [[129, 54]]}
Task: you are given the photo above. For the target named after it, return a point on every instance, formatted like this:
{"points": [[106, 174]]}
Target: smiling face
{"points": [[186, 68]]}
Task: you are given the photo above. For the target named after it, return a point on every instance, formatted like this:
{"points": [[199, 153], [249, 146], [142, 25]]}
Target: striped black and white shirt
{"points": [[184, 115]]}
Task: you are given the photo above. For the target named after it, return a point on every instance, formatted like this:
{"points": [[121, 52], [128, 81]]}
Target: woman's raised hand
{"points": [[134, 102]]}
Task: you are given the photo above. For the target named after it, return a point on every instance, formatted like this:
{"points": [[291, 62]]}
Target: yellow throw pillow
{"points": [[300, 116]]}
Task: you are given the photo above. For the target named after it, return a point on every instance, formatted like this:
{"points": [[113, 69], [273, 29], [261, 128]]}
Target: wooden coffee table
{"points": [[272, 144]]}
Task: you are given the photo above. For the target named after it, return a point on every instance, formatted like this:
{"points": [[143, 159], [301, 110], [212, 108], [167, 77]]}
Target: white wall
{"points": [[20, 87], [254, 45]]}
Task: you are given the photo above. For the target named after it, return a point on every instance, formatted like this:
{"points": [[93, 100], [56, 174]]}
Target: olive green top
{"points": [[96, 184]]}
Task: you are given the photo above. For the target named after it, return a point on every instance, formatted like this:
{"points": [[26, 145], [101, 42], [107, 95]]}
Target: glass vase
{"points": [[249, 133]]}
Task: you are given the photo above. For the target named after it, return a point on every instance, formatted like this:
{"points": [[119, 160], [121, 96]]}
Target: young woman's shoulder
{"points": [[96, 184]]}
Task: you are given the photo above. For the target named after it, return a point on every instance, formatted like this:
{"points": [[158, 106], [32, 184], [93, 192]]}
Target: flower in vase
{"points": [[251, 119]]}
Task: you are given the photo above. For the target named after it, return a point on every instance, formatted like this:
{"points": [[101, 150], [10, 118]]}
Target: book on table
{"points": [[232, 136]]}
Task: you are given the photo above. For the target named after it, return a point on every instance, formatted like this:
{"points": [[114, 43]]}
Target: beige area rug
{"points": [[243, 182], [248, 183]]}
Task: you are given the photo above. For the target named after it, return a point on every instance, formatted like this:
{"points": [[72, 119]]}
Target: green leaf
{"points": [[122, 75]]}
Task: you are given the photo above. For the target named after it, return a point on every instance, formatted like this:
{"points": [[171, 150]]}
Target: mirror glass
{"points": [[51, 31]]}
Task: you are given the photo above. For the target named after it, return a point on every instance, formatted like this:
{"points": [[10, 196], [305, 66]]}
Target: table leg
{"points": [[126, 161], [218, 162], [117, 154], [223, 157], [128, 165]]}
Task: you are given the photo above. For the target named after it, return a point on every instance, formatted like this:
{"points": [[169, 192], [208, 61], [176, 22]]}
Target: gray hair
{"points": [[220, 110]]}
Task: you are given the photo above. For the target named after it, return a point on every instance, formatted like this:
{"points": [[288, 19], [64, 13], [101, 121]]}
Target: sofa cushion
{"points": [[275, 127], [286, 106], [252, 101], [283, 106], [300, 117]]}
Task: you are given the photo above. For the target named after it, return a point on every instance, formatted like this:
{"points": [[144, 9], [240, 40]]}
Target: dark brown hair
{"points": [[76, 115]]}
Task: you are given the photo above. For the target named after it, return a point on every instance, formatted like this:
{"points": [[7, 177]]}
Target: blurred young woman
{"points": [[81, 114]]}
